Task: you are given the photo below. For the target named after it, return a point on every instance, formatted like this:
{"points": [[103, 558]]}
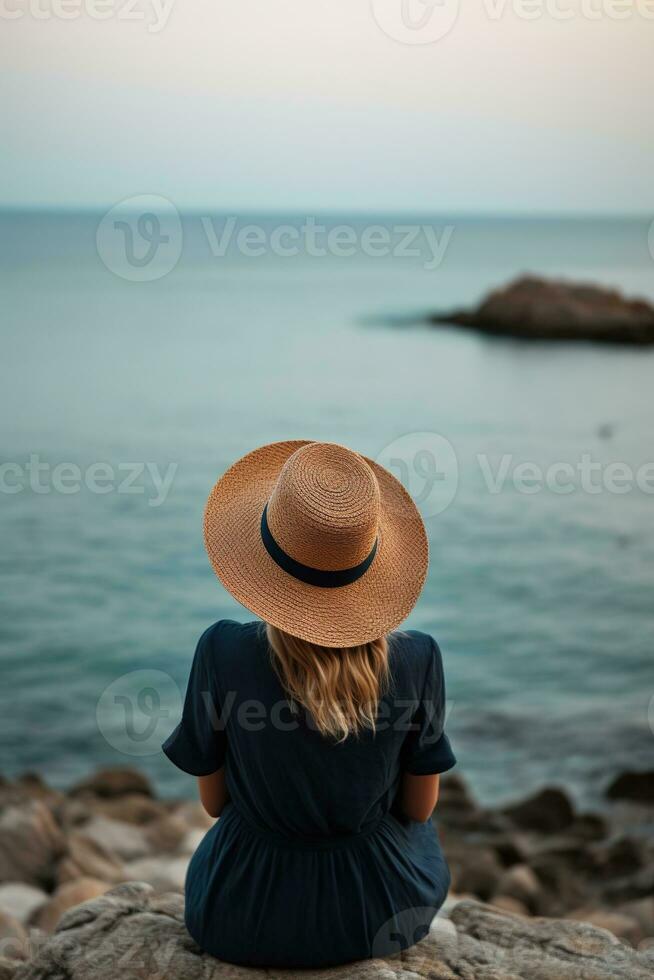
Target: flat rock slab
{"points": [[131, 933]]}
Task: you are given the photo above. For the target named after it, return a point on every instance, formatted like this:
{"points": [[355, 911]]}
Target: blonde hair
{"points": [[339, 686]]}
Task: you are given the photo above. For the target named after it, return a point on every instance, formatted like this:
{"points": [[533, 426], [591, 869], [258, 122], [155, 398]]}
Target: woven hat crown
{"points": [[325, 507]]}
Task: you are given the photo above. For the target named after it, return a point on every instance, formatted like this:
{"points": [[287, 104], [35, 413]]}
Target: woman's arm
{"points": [[213, 792], [419, 795]]}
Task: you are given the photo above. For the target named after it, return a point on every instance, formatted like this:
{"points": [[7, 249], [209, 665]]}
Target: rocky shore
{"points": [[91, 885], [532, 308]]}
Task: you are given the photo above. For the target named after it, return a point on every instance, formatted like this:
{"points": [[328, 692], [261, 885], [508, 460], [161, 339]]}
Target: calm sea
{"points": [[542, 600]]}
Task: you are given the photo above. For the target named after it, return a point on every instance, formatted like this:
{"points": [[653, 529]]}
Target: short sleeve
{"points": [[426, 748], [198, 744]]}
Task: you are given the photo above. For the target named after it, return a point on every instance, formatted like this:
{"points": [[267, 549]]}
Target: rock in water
{"points": [[638, 786], [542, 309], [112, 783], [548, 811], [132, 933]]}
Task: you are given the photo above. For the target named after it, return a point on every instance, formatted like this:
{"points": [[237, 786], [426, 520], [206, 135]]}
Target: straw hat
{"points": [[317, 540]]}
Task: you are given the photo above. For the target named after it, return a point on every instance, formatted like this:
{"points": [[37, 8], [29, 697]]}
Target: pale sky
{"points": [[311, 104]]}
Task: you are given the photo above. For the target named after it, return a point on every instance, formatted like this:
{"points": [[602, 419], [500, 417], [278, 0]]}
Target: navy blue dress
{"points": [[311, 863]]}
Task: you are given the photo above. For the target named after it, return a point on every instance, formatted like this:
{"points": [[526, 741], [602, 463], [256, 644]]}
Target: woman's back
{"points": [[300, 800]]}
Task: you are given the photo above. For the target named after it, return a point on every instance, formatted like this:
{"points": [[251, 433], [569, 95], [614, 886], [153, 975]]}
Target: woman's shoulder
{"points": [[416, 642], [227, 639], [415, 651], [224, 630]]}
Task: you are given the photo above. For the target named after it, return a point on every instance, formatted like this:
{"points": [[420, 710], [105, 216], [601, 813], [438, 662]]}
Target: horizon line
{"points": [[210, 209]]}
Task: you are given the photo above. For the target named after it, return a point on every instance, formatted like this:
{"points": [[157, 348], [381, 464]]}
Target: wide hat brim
{"points": [[333, 617]]}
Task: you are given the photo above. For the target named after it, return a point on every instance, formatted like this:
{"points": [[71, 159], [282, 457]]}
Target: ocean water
{"points": [[542, 601]]}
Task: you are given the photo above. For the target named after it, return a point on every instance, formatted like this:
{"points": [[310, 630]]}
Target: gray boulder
{"points": [[7, 968], [547, 811], [30, 842], [113, 783], [13, 937], [135, 934], [20, 900]]}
